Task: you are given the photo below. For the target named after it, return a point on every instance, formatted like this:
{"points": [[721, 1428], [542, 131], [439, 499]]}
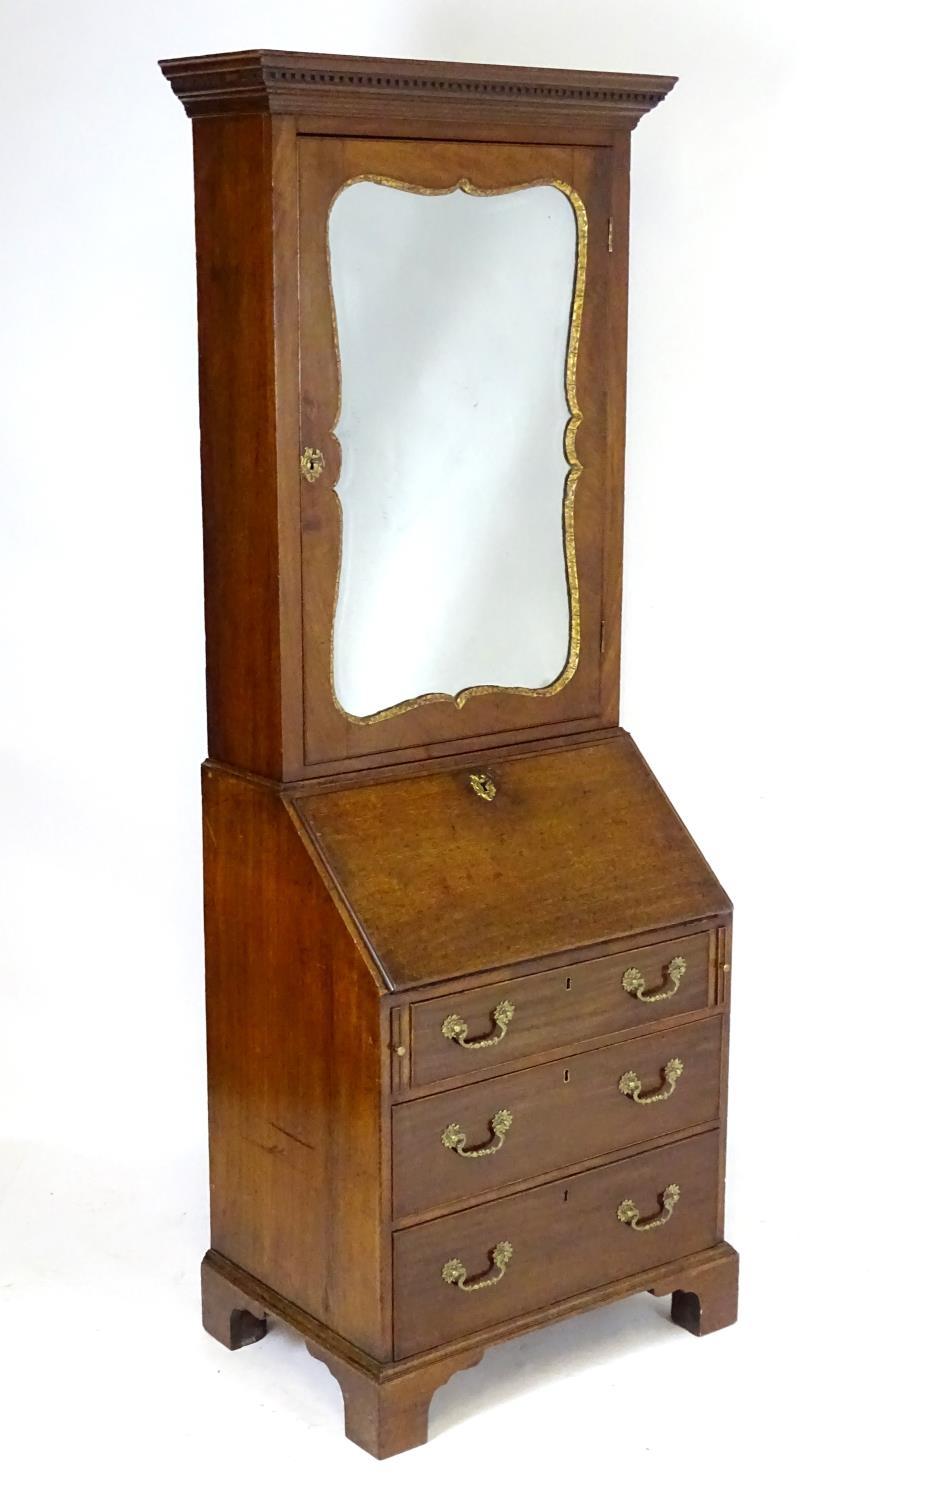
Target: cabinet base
{"points": [[386, 1405]]}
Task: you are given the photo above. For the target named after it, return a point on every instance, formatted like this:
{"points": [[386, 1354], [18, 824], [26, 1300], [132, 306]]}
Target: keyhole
{"points": [[568, 983], [565, 1196], [567, 1075]]}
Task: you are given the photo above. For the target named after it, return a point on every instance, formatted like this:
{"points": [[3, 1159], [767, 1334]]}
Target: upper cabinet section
{"points": [[412, 370]]}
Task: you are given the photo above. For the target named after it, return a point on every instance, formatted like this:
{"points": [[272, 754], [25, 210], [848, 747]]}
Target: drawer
{"points": [[489, 1135], [483, 1266], [499, 1025]]}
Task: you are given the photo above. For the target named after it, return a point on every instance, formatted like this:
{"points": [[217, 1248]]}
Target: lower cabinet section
{"points": [[485, 1265]]}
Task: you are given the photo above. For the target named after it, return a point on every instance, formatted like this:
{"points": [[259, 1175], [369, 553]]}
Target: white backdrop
{"points": [[776, 674]]}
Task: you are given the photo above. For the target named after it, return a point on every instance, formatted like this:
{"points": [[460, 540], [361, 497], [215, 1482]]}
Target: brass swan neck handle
{"points": [[454, 1138], [673, 974], [456, 1030], [454, 1272], [632, 1086], [629, 1214]]}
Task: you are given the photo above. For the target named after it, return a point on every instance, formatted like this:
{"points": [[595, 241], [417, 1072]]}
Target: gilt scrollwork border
{"points": [[573, 473]]}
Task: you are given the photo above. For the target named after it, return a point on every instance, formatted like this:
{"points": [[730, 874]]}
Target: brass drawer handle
{"points": [[455, 1139], [454, 1273], [456, 1030], [628, 1213], [631, 1084], [673, 974]]}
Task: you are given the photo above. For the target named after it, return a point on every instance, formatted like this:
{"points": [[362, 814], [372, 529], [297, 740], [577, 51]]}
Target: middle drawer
{"points": [[485, 1136]]}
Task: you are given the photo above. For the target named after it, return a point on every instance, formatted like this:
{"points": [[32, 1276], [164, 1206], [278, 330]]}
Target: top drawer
{"points": [[501, 1025]]}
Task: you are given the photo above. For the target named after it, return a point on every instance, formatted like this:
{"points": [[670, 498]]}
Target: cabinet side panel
{"points": [[615, 311], [234, 238], [295, 1057]]}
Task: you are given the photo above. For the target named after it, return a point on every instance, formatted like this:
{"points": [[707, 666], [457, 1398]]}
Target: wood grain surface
{"points": [[565, 1236], [559, 1007], [297, 1059], [577, 847], [562, 1113]]}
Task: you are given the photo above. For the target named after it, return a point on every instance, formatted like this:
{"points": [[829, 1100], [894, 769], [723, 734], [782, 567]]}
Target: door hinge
{"points": [[601, 647], [610, 236]]}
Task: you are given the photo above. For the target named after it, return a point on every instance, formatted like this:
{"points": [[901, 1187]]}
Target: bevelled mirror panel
{"points": [[456, 320]]}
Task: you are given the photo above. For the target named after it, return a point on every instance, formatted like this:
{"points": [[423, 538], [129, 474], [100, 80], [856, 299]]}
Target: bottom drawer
{"points": [[475, 1269]]}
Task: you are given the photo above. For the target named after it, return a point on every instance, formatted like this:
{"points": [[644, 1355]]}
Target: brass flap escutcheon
{"points": [[483, 785], [312, 464]]}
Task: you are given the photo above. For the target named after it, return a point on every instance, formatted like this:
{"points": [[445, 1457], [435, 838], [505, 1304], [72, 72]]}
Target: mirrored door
{"points": [[454, 438]]}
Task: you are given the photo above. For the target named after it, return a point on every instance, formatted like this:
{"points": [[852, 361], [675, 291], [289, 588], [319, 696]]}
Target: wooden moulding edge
{"points": [[325, 1343], [302, 83]]}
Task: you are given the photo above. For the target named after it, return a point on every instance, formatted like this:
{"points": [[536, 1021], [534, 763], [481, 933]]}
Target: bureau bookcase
{"points": [[467, 973]]}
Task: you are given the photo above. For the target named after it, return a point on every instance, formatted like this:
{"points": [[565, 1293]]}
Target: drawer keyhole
{"points": [[568, 982], [567, 1075]]}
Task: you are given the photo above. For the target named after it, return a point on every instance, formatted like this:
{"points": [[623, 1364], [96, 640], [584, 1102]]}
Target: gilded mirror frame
{"points": [[574, 466], [585, 695]]}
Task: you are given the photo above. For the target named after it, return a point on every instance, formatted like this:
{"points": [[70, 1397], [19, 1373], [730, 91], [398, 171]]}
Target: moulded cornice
{"points": [[319, 84]]}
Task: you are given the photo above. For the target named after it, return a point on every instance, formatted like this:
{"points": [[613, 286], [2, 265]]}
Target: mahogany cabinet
{"points": [[467, 973]]}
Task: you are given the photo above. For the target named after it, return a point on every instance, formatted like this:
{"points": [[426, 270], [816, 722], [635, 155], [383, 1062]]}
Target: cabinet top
{"points": [[313, 83]]}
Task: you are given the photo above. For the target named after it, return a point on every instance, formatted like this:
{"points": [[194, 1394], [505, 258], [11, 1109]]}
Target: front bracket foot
{"points": [[708, 1301], [389, 1414], [227, 1314]]}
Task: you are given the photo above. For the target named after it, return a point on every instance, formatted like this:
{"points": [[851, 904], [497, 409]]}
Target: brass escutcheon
{"points": [[483, 785], [312, 464]]}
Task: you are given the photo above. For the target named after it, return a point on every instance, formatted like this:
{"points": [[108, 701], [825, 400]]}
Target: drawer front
{"points": [[501, 1024], [485, 1136], [478, 1268]]}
